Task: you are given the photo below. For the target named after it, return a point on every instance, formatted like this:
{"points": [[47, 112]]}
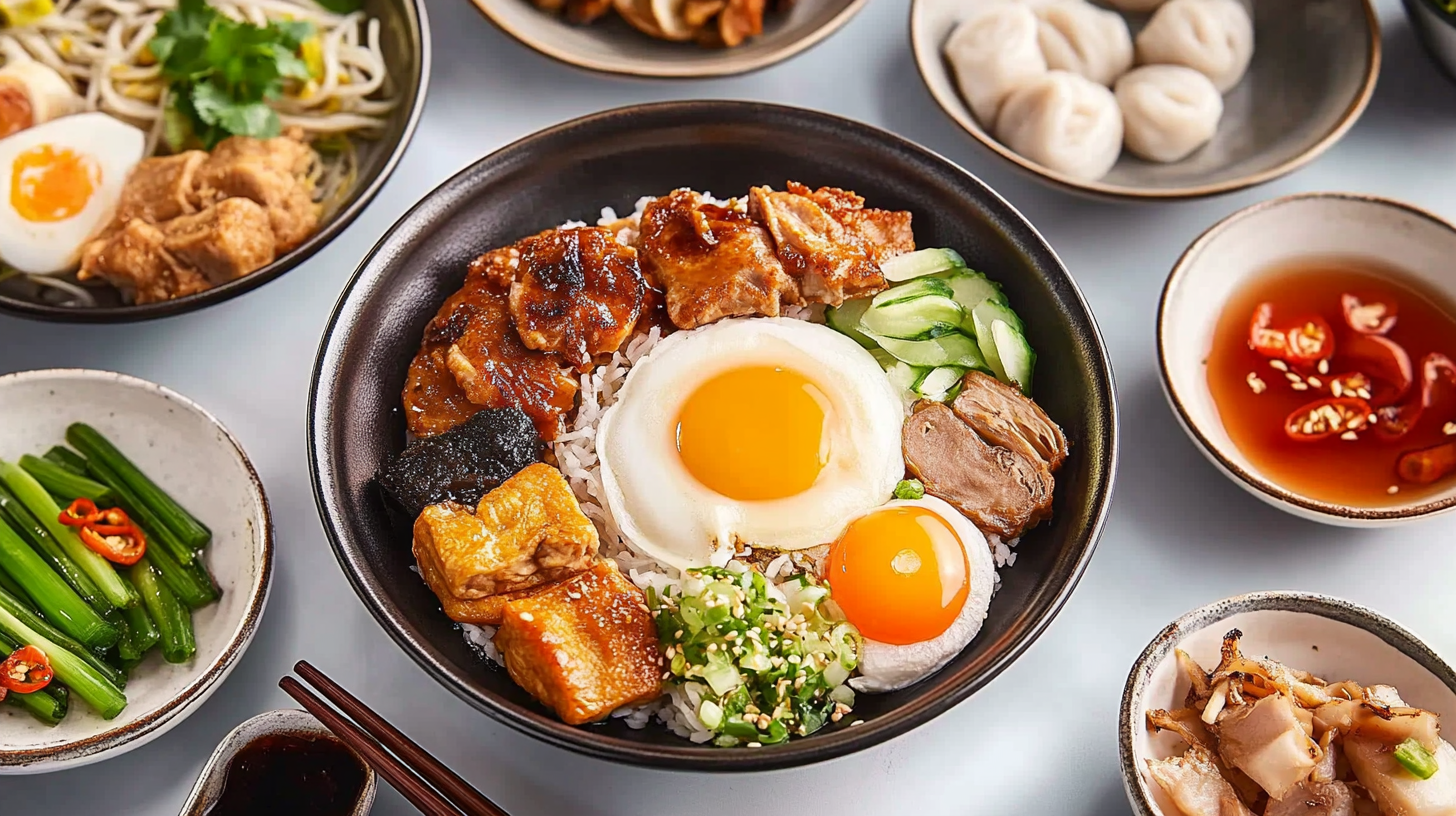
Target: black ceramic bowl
{"points": [[404, 39], [610, 159]]}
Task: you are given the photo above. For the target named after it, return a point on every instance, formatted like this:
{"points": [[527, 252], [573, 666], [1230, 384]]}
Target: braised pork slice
{"points": [[1005, 417], [711, 262], [999, 490], [225, 241], [577, 292], [1194, 784], [135, 260], [886, 233]]}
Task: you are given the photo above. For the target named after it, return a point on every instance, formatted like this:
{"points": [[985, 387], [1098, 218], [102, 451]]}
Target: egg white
{"points": [[886, 666], [671, 516], [51, 247]]}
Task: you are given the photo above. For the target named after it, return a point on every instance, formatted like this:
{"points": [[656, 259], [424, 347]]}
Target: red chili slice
{"points": [[1395, 421], [27, 669], [1324, 418], [1385, 361], [81, 512], [119, 545], [1427, 465], [1308, 340], [1368, 318]]}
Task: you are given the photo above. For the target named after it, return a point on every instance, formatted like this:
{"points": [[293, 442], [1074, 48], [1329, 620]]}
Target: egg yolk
{"points": [[900, 574], [16, 113], [755, 433], [49, 184]]}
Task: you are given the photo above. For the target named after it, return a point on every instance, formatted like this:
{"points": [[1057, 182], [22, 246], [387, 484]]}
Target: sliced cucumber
{"points": [[970, 288], [844, 319], [990, 311], [920, 318], [940, 383], [982, 320], [1015, 353], [905, 376], [913, 290], [951, 349], [921, 262]]}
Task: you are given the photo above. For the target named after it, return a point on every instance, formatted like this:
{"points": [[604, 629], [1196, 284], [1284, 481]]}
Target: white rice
{"points": [[576, 457]]}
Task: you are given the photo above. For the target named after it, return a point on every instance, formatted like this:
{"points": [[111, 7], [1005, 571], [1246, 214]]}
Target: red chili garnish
{"points": [[1308, 340], [125, 545], [1395, 421], [1324, 418], [1368, 318], [81, 512], [1427, 465], [1385, 361], [27, 669]]}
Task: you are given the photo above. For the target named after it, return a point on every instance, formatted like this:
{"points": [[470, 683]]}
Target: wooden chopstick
{"points": [[409, 784], [446, 781]]}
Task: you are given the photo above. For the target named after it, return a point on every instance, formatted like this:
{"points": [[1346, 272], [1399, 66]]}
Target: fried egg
{"points": [[59, 185], [915, 577], [767, 432]]}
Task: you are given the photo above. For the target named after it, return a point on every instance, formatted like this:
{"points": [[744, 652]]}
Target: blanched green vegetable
{"points": [[158, 504], [62, 482], [85, 681]]}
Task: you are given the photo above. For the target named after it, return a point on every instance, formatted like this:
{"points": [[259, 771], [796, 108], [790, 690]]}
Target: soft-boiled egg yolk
{"points": [[47, 184], [16, 112], [755, 433], [900, 574]]}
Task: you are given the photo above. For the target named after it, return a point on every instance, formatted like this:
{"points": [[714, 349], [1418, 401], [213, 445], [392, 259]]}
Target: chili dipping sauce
{"points": [[291, 775]]}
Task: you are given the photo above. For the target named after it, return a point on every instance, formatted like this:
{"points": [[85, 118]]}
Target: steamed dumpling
{"points": [[992, 53], [1077, 36], [1135, 6], [1168, 111], [1064, 122], [1213, 37]]}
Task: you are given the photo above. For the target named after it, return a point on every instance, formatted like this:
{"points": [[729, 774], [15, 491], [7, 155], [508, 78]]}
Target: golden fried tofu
{"points": [[584, 647], [481, 611], [526, 532]]}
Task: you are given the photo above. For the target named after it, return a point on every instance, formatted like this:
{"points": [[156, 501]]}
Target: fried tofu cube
{"points": [[527, 532], [485, 611], [584, 647]]}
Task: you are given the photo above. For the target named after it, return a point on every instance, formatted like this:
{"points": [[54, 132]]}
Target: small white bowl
{"points": [[1334, 639], [190, 455], [211, 781], [1250, 242]]}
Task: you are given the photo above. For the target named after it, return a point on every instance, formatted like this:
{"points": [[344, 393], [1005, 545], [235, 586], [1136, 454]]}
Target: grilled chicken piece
{"points": [[1005, 417], [224, 241], [577, 292], [1268, 742], [270, 172], [135, 260], [525, 532], [830, 263], [464, 463], [496, 268], [1193, 783], [1397, 791], [711, 262], [999, 490], [585, 647]]}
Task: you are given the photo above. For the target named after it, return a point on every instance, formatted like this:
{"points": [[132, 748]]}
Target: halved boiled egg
{"points": [[59, 185], [915, 577], [32, 94], [768, 432]]}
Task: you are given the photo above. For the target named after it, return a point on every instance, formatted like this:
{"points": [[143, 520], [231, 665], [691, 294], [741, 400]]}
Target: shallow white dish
{"points": [[1334, 639], [190, 455], [1248, 243]]}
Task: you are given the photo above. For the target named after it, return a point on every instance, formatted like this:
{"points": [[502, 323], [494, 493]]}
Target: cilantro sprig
{"points": [[222, 73]]}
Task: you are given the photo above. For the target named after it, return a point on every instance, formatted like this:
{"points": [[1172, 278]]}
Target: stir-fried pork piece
{"points": [[1268, 742], [585, 647], [1194, 784], [223, 242], [527, 531], [999, 490], [135, 259], [1396, 790], [577, 293], [711, 262], [464, 463], [830, 262], [1005, 417], [160, 189], [270, 172]]}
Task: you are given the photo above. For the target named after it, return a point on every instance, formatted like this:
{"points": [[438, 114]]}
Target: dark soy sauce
{"points": [[291, 775]]}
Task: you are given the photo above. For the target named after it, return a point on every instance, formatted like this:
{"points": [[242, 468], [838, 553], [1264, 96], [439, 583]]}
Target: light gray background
{"points": [[1038, 740]]}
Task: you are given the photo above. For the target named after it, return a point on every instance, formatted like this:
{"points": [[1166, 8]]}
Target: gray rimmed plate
{"points": [[1314, 69], [1334, 639], [610, 159], [193, 457]]}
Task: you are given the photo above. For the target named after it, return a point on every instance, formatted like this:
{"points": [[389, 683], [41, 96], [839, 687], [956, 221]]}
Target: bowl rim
{"points": [[687, 757], [180, 706], [1310, 603], [951, 105], [1262, 486], [419, 31], [653, 69]]}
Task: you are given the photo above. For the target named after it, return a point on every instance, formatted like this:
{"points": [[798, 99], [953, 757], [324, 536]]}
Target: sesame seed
{"points": [[1336, 388], [1363, 393], [1373, 418], [856, 722], [755, 745], [1278, 365], [1255, 384], [1349, 436], [1392, 490], [1299, 386], [1324, 366], [1292, 377], [1315, 383]]}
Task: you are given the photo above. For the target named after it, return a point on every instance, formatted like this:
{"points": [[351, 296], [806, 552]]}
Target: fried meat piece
{"points": [[585, 647], [224, 241], [270, 172], [577, 293], [160, 189], [711, 262], [830, 261], [433, 400], [527, 531], [135, 259]]}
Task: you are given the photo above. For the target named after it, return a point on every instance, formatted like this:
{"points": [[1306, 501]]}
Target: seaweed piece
{"points": [[463, 463]]}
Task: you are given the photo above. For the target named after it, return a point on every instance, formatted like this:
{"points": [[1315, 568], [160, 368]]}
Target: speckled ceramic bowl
{"points": [[1247, 244], [1334, 639], [282, 721], [1314, 69], [193, 457]]}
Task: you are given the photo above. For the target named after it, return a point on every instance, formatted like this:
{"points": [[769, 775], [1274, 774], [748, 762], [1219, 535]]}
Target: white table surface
{"points": [[1040, 739]]}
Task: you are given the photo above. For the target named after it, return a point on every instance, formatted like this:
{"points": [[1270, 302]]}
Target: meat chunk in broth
{"points": [[1314, 799], [136, 261], [1194, 784], [830, 262], [577, 292], [1005, 417], [712, 262], [270, 172], [160, 189], [223, 242]]}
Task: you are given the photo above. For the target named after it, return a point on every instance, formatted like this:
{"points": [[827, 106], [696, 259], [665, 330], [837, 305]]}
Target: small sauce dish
{"points": [[1403, 250]]}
